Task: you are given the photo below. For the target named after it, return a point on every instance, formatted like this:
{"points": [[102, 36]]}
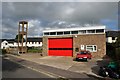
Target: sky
{"points": [[50, 15]]}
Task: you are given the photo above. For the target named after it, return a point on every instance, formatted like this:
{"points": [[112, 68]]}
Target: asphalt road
{"points": [[13, 70]]}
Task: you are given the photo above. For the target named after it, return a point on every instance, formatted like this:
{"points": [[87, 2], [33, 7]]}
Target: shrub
{"points": [[34, 50], [3, 51]]}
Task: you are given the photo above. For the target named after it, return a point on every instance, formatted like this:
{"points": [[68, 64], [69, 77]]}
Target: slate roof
{"points": [[8, 40], [112, 33], [34, 39]]}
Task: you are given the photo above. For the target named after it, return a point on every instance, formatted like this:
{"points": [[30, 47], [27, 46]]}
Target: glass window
{"points": [[59, 33], [46, 33], [77, 49], [113, 38], [91, 48], [74, 32], [52, 33], [91, 31], [82, 31], [67, 32], [99, 30]]}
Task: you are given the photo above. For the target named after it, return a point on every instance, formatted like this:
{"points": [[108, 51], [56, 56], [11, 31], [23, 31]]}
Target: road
{"points": [[13, 67], [13, 70]]}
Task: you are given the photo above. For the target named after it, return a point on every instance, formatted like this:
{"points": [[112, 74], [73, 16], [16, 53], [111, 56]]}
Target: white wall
{"points": [[34, 44], [15, 44], [109, 40], [4, 45]]}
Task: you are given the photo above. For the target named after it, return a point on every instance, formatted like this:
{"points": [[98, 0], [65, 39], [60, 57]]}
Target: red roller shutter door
{"points": [[60, 46]]}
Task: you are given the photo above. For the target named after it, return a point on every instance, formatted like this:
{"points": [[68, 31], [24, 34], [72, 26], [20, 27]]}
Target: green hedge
{"points": [[3, 51], [35, 50]]}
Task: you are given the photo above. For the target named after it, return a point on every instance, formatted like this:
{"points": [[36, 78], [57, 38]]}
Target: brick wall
{"points": [[91, 39], [86, 39]]}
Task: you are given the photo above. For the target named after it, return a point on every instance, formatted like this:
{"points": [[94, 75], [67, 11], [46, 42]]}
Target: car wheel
{"points": [[76, 59]]}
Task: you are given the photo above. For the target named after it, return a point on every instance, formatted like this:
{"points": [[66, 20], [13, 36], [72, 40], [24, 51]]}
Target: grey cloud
{"points": [[55, 10], [50, 14]]}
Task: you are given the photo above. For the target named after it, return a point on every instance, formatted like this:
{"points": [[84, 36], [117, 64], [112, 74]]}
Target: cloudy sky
{"points": [[43, 15]]}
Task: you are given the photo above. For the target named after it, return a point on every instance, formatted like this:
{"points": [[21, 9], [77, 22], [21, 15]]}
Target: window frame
{"points": [[46, 33], [60, 33], [99, 30], [52, 33], [74, 32], [91, 31], [66, 32], [93, 48]]}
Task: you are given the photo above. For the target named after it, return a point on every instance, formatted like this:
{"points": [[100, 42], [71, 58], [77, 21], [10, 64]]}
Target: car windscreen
{"points": [[83, 52]]}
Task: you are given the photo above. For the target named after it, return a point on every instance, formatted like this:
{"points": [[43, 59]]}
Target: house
{"points": [[65, 41], [6, 43], [34, 42], [111, 36], [12, 43]]}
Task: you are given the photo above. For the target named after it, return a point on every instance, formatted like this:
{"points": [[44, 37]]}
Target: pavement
{"points": [[66, 63]]}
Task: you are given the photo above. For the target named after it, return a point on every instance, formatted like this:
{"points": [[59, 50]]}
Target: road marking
{"points": [[52, 75]]}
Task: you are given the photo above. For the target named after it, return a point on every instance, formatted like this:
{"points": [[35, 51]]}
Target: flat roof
{"points": [[74, 29], [21, 22]]}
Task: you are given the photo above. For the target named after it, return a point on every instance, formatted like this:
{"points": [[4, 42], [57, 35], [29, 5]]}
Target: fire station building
{"points": [[69, 41]]}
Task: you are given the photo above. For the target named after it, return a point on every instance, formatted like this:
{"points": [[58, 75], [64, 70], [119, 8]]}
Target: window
{"points": [[99, 30], [46, 33], [67, 32], [91, 48], [52, 33], [59, 33], [77, 49], [113, 38], [74, 32], [82, 31], [91, 31], [5, 43]]}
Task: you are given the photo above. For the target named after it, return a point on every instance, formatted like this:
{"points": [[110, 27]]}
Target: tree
{"points": [[113, 49], [117, 46], [20, 37]]}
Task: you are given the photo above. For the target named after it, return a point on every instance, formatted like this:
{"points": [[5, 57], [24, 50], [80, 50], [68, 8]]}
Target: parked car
{"points": [[83, 55]]}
